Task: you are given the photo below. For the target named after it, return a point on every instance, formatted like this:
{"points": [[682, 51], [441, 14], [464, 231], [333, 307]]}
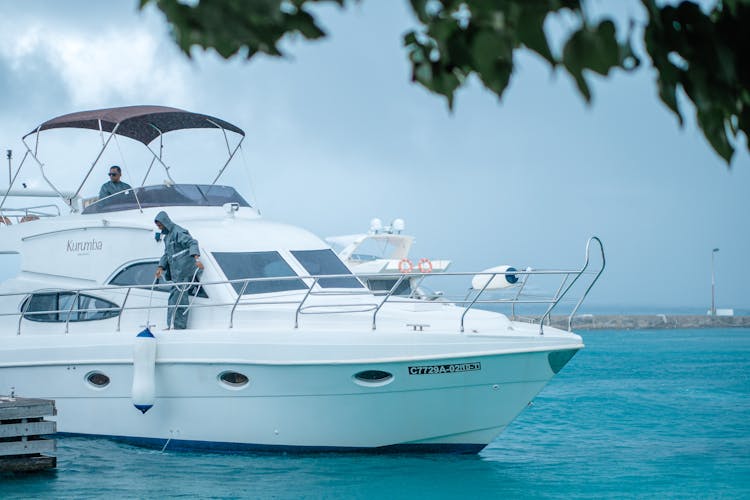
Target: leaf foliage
{"points": [[701, 54]]}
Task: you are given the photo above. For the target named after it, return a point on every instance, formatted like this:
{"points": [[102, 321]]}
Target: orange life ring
{"points": [[425, 266], [405, 266]]}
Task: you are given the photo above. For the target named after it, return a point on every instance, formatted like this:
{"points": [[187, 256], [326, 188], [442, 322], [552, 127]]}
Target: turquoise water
{"points": [[640, 413]]}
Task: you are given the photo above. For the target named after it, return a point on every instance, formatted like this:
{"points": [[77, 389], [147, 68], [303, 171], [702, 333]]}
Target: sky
{"points": [[337, 134]]}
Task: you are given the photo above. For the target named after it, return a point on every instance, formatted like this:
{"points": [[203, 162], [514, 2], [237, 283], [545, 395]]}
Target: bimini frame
{"points": [[141, 123]]}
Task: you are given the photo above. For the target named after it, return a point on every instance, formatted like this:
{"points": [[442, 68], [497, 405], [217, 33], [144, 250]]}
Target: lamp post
{"points": [[9, 155], [713, 283]]}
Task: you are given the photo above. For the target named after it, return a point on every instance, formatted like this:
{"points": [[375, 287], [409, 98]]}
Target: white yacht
{"points": [[285, 348], [380, 256]]}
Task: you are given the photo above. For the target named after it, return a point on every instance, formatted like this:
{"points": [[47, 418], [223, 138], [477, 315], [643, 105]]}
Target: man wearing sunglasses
{"points": [[115, 185]]}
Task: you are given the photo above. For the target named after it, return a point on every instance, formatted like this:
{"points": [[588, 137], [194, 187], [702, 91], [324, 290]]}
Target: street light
{"points": [[713, 283]]}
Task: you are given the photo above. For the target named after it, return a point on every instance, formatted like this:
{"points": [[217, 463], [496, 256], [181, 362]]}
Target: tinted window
{"points": [[317, 262], [56, 307], [97, 379], [177, 195], [142, 273], [385, 286], [234, 379], [41, 302], [371, 249], [241, 265], [373, 375]]}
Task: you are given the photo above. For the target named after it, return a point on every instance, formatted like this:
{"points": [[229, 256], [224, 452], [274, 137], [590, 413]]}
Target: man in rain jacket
{"points": [[181, 260]]}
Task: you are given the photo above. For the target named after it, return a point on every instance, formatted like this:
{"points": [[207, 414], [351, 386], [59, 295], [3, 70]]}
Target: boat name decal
{"points": [[453, 368], [83, 246]]}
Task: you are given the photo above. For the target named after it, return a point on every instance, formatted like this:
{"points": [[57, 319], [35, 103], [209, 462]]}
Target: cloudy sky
{"points": [[337, 134]]}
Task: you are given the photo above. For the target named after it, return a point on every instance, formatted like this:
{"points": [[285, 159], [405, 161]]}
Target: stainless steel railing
{"points": [[375, 305], [27, 214]]}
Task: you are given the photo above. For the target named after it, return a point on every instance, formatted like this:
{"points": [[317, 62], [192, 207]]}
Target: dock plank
{"points": [[26, 447], [11, 409], [32, 463], [28, 429], [21, 426]]}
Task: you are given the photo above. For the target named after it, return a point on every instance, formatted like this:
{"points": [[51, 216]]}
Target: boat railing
{"points": [[27, 214], [366, 300]]}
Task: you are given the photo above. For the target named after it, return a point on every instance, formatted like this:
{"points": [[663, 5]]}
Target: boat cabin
{"points": [[110, 247]]}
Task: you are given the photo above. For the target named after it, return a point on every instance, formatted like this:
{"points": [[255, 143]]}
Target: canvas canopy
{"points": [[142, 123]]}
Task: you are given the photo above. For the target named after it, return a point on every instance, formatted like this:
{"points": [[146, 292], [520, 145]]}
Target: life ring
{"points": [[425, 266], [405, 266]]}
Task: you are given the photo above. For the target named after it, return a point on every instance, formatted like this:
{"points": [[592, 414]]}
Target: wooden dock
{"points": [[22, 430]]}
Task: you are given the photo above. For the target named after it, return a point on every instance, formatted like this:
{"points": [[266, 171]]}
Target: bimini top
{"points": [[142, 123]]}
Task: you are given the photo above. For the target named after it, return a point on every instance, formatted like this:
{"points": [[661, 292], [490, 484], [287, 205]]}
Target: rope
{"points": [[249, 179], [150, 296], [125, 167], [122, 156], [165, 444]]}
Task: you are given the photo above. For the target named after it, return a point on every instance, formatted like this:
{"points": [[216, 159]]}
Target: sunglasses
{"points": [[113, 174]]}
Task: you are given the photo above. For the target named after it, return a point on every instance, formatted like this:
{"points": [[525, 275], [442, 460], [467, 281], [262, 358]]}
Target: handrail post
{"points": [[475, 299], [596, 278], [185, 287], [578, 275], [122, 308], [70, 311], [299, 307], [555, 299], [518, 294], [23, 313], [239, 296], [388, 295], [419, 283]]}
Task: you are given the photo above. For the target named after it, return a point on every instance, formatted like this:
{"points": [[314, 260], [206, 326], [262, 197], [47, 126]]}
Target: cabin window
{"points": [[142, 273], [373, 378], [234, 380], [59, 307], [243, 265], [317, 262], [378, 285], [97, 379]]}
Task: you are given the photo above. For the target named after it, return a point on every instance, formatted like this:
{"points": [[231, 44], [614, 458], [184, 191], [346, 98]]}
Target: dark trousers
{"points": [[177, 314]]}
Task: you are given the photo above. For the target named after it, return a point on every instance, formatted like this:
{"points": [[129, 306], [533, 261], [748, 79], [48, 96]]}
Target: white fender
{"points": [[504, 280], [144, 362]]}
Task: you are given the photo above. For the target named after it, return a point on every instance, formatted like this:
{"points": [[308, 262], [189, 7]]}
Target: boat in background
{"points": [[380, 255], [285, 348]]}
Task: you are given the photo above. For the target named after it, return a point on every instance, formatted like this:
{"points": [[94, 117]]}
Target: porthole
{"points": [[373, 377], [97, 379], [235, 380]]}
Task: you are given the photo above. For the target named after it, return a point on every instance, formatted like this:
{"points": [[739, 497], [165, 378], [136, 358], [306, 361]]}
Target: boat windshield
{"points": [[244, 265], [324, 261], [177, 195]]}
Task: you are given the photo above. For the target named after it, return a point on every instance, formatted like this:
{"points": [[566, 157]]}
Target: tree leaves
{"points": [[231, 26], [703, 54], [596, 49]]}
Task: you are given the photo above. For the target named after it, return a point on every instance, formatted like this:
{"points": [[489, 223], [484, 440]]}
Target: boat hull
{"points": [[456, 403]]}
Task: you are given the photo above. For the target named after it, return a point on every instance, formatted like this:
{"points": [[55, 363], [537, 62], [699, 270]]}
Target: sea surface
{"points": [[648, 414]]}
